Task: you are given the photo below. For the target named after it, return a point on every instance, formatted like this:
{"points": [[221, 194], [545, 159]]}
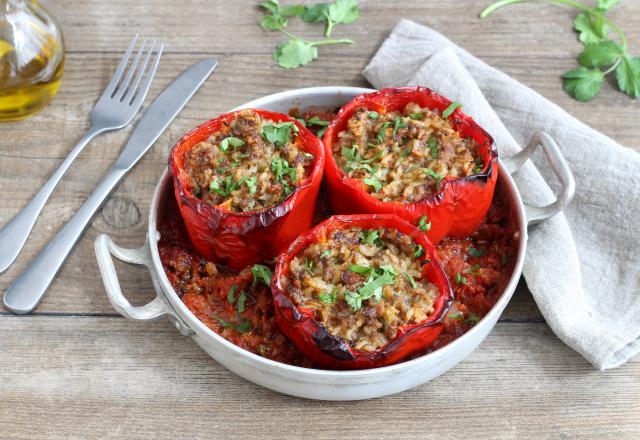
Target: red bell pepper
{"points": [[460, 205], [238, 239], [313, 339]]}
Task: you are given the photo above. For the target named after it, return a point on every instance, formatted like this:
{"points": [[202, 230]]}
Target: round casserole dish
{"points": [[308, 382]]}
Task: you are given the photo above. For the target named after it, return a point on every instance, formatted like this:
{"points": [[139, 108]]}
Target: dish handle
{"points": [[537, 214], [158, 308]]}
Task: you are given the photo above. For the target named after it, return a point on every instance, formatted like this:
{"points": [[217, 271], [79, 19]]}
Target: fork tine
{"points": [[122, 88], [131, 91], [140, 94], [118, 73]]}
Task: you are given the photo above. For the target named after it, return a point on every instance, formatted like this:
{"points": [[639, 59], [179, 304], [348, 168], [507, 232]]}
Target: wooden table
{"points": [[76, 369]]}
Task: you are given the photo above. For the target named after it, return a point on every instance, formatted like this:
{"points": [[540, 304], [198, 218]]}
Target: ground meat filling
{"points": [[404, 156], [251, 164], [362, 285]]}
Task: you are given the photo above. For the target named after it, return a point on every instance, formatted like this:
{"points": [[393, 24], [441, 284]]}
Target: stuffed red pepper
{"points": [[246, 185], [360, 291], [411, 152]]}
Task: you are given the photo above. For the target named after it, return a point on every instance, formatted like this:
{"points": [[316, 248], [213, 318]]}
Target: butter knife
{"points": [[29, 288]]}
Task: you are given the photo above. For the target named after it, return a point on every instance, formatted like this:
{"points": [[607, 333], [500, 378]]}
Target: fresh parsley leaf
{"points": [[423, 225], [591, 29], [261, 273], [383, 132], [407, 151], [231, 140], [477, 253], [375, 283], [418, 251], [314, 120], [243, 327], [438, 178], [292, 11], [295, 53], [371, 236], [341, 11], [433, 147], [328, 298], [473, 270], [582, 83], [276, 20], [281, 168], [242, 299], [449, 110], [605, 5], [353, 300], [416, 115], [628, 75], [460, 279], [362, 270], [251, 184], [279, 134], [397, 124], [230, 296], [471, 318], [373, 181], [316, 13], [411, 280], [374, 115], [214, 187], [600, 54], [325, 254]]}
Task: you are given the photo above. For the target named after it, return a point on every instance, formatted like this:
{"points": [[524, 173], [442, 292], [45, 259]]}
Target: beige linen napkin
{"points": [[582, 266]]}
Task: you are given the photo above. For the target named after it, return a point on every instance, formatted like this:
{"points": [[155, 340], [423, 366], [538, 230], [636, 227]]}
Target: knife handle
{"points": [[27, 290]]}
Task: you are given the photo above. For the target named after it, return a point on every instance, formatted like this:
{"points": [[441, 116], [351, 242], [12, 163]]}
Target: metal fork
{"points": [[116, 107]]}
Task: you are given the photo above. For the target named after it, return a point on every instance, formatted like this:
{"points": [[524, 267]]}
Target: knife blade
{"points": [[26, 292]]}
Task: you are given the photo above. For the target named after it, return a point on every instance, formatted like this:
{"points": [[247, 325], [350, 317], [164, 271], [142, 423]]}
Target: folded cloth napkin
{"points": [[581, 266]]}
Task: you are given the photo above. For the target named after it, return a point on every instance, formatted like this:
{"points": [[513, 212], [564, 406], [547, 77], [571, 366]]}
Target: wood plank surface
{"points": [[75, 369]]}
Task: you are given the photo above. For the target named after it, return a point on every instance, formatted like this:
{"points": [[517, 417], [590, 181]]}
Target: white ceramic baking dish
{"points": [[315, 383]]}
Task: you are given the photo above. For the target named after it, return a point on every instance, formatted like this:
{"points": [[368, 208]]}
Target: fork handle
{"points": [[27, 290], [14, 234]]}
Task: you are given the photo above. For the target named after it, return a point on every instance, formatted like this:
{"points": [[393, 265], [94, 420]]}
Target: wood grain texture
{"points": [[75, 369]]}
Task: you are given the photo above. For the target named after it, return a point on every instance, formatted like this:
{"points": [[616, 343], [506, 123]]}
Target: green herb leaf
{"points": [[341, 11], [590, 29], [373, 181], [214, 187], [605, 5], [251, 184], [230, 296], [582, 83], [362, 270], [325, 254], [231, 140], [261, 273], [242, 298], [371, 236], [416, 116], [418, 251], [328, 298], [411, 280], [316, 13], [314, 120], [433, 147], [397, 124], [628, 76], [449, 110], [295, 53], [279, 134], [353, 300], [600, 54], [433, 174], [477, 253], [242, 327], [472, 318], [383, 132], [292, 11], [460, 279], [309, 264], [407, 151], [423, 225], [281, 168], [375, 283], [374, 115]]}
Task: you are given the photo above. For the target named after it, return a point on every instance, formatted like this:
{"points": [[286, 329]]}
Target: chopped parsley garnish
{"points": [[435, 175], [325, 254], [423, 225], [229, 185], [397, 124], [473, 270], [371, 236], [471, 318], [407, 151], [418, 251], [231, 141], [416, 115], [243, 327], [251, 184], [242, 298], [351, 155], [261, 273], [373, 115], [383, 132], [362, 270], [281, 168], [476, 252], [328, 298], [309, 264], [411, 280], [449, 110], [372, 288], [214, 187], [373, 181], [314, 120], [433, 147], [230, 296], [279, 134], [461, 279]]}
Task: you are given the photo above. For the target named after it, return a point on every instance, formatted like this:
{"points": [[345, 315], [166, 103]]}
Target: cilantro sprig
{"points": [[601, 55], [297, 51]]}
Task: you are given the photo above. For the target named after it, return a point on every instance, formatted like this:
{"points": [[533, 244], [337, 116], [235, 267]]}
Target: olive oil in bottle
{"points": [[31, 58]]}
